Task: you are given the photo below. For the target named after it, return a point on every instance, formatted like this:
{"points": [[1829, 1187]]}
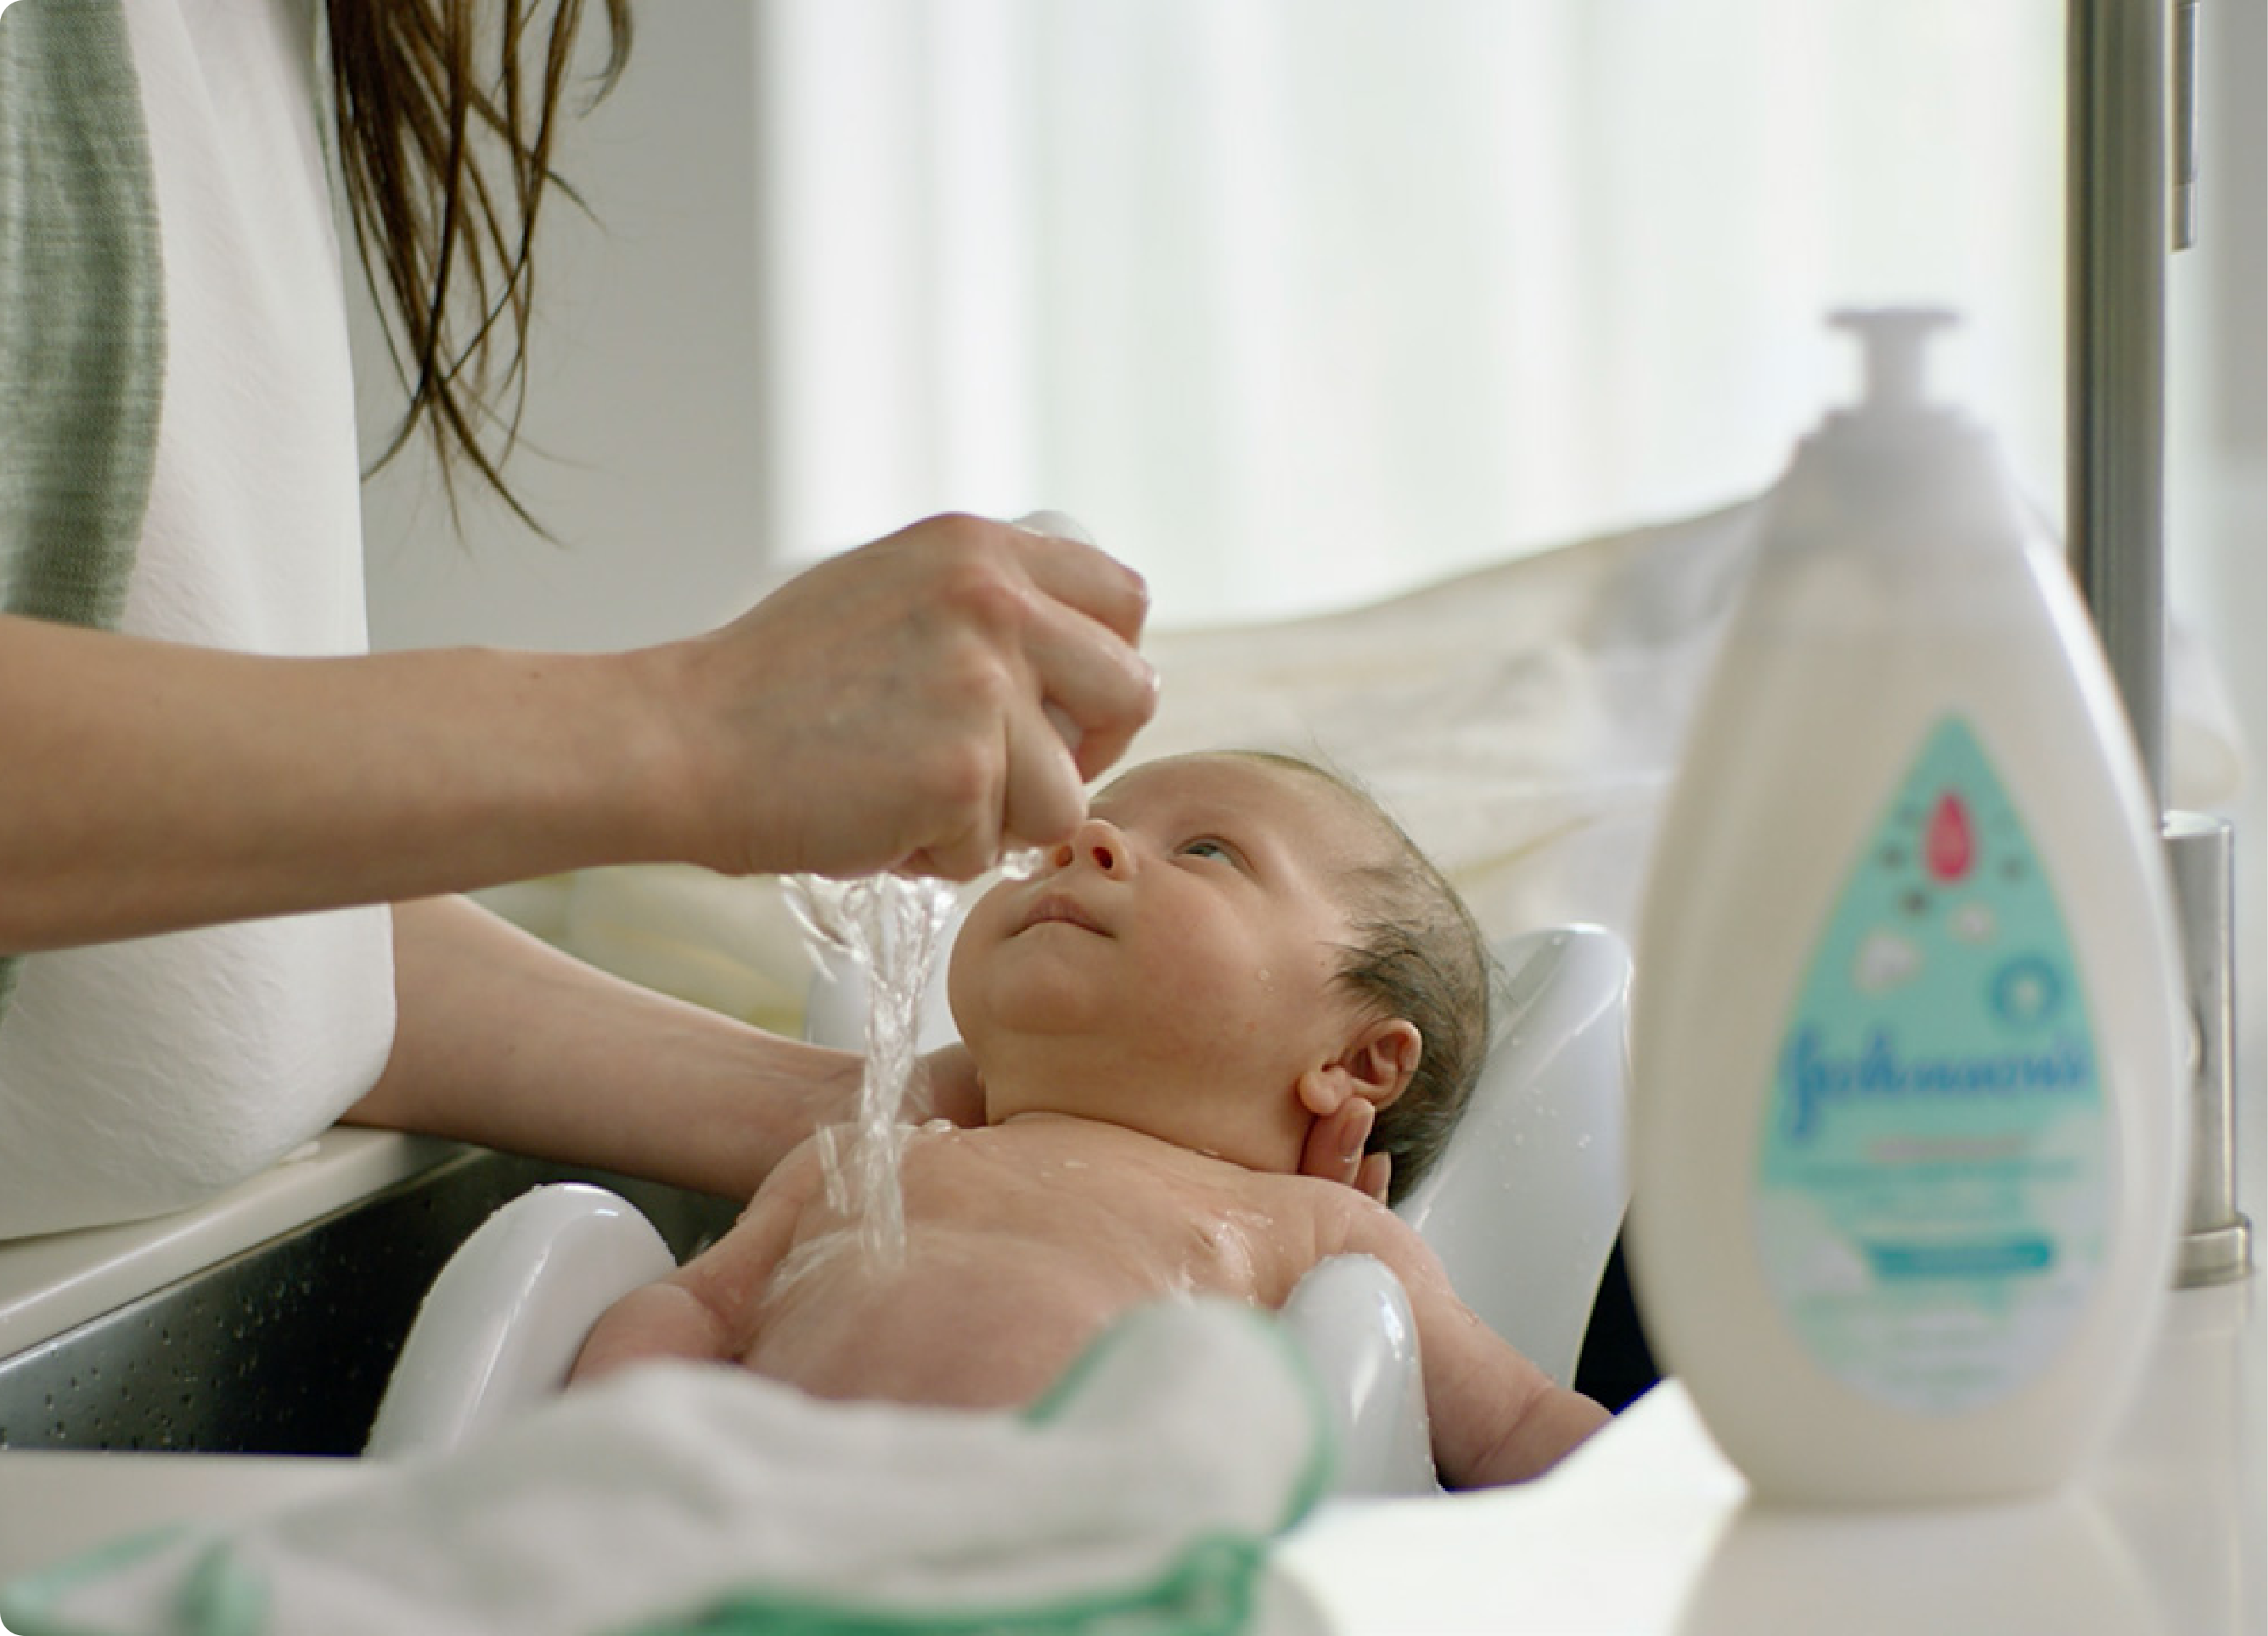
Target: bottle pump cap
{"points": [[1897, 461], [1894, 342]]}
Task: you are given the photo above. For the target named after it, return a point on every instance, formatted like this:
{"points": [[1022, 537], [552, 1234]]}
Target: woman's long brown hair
{"points": [[446, 161]]}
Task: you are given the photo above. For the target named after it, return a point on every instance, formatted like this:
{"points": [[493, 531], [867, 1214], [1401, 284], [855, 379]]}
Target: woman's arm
{"points": [[502, 1040], [153, 786], [888, 707]]}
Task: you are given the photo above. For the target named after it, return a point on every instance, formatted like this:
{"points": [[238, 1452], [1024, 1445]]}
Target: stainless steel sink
{"points": [[286, 1347]]}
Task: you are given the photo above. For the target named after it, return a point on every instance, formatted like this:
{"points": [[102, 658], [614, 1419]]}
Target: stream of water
{"points": [[887, 928]]}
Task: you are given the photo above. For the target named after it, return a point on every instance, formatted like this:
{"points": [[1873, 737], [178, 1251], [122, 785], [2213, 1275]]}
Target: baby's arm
{"points": [[706, 1309], [1497, 1418]]}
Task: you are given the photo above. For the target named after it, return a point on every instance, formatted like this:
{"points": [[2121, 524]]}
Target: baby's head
{"points": [[1231, 945], [1416, 953]]}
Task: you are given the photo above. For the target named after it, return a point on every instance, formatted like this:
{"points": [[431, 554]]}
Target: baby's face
{"points": [[1183, 944]]}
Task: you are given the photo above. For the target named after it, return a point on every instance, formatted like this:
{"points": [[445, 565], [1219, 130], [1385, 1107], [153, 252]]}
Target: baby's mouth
{"points": [[1058, 909]]}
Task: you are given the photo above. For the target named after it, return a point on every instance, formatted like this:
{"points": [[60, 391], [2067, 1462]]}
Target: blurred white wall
{"points": [[1298, 302], [643, 450], [1221, 279]]}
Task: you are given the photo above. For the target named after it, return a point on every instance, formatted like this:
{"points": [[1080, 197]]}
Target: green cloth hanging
{"points": [[82, 317]]}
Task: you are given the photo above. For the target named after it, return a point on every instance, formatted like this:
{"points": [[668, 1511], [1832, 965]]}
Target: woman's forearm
{"points": [[152, 786], [505, 1040], [905, 704]]}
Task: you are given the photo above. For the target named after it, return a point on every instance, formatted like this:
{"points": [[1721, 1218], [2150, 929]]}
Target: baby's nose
{"points": [[1097, 842]]}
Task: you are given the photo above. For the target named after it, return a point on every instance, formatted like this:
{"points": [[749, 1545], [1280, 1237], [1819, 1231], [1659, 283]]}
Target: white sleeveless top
{"points": [[140, 1077]]}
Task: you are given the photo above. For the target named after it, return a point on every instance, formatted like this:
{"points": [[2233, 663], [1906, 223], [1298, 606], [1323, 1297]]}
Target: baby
{"points": [[1230, 947]]}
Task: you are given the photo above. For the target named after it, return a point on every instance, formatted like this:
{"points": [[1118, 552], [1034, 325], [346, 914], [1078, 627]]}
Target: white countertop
{"points": [[51, 1283]]}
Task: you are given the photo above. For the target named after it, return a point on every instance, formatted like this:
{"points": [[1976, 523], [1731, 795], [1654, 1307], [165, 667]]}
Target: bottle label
{"points": [[1931, 1208]]}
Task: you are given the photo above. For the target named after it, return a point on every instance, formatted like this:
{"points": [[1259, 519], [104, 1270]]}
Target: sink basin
{"points": [[284, 1348]]}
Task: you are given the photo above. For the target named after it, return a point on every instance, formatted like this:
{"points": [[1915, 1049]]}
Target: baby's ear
{"points": [[1376, 1065]]}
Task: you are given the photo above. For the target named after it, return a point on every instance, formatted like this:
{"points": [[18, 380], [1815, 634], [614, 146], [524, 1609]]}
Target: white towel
{"points": [[1139, 1496]]}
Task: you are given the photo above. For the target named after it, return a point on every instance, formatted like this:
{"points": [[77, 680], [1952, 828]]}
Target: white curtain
{"points": [[1296, 302]]}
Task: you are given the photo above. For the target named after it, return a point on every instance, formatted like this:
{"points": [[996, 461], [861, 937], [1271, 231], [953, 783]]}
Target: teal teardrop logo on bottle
{"points": [[1931, 1207]]}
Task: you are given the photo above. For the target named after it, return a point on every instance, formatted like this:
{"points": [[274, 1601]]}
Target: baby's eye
{"points": [[1207, 847]]}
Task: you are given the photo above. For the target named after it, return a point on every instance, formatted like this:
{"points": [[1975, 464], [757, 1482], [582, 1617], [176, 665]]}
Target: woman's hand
{"points": [[898, 706]]}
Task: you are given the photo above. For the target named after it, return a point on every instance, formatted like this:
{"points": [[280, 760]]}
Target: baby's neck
{"points": [[1200, 1120], [1104, 1136]]}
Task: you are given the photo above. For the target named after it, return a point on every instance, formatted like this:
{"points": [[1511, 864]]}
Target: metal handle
{"points": [[2185, 123], [2116, 246]]}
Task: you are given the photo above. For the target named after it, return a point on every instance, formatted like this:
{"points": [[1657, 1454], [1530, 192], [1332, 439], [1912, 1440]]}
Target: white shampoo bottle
{"points": [[1908, 1033]]}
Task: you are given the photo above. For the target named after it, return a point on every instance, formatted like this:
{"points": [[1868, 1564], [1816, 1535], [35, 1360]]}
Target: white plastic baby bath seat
{"points": [[503, 1322], [1523, 1211]]}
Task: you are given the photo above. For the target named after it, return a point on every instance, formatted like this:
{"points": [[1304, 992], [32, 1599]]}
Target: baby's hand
{"points": [[1334, 1151]]}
